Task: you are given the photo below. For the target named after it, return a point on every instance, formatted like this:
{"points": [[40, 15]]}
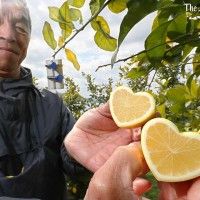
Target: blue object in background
{"points": [[59, 78], [54, 74], [53, 65]]}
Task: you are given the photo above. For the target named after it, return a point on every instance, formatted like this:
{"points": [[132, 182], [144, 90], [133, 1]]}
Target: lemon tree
{"points": [[169, 65], [172, 47]]}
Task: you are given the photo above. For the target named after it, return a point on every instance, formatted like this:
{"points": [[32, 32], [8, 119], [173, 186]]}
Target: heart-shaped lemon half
{"points": [[171, 156], [130, 109]]}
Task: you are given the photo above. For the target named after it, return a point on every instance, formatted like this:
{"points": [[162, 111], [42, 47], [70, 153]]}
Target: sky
{"points": [[89, 55]]}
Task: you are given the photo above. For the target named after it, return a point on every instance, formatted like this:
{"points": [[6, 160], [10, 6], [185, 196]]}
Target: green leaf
{"points": [[65, 12], [161, 110], [155, 42], [114, 57], [164, 4], [66, 29], [196, 24], [190, 78], [72, 58], [174, 54], [61, 41], [66, 33], [95, 5], [196, 61], [177, 94], [175, 7], [177, 26], [186, 50], [194, 90], [54, 14], [136, 73], [105, 41], [161, 18], [117, 6], [143, 66], [167, 10], [137, 10], [177, 98], [192, 40], [76, 3], [184, 64], [66, 26], [177, 108], [48, 35], [75, 15], [190, 26], [99, 23], [140, 57]]}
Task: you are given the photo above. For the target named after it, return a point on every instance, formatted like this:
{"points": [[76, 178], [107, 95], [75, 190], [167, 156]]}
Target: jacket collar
{"points": [[10, 86]]}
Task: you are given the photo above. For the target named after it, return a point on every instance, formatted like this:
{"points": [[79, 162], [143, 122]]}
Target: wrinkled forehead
{"points": [[14, 9]]}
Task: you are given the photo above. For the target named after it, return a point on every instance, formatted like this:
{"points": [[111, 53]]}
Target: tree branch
{"points": [[152, 79], [81, 29], [121, 60], [145, 51]]}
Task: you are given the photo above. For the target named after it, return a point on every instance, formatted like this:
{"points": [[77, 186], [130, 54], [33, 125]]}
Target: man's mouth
{"points": [[9, 50]]}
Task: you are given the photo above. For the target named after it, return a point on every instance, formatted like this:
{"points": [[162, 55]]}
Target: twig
{"points": [[190, 63], [145, 51], [121, 60], [81, 29], [152, 79]]}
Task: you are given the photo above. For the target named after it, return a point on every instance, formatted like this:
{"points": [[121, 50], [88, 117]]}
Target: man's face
{"points": [[14, 39]]}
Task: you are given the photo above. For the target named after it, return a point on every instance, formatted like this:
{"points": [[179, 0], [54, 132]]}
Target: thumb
{"points": [[136, 149], [141, 186], [193, 192], [104, 109], [171, 191]]}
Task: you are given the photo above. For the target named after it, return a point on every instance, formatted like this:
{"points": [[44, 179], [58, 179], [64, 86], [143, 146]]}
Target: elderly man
{"points": [[33, 125]]}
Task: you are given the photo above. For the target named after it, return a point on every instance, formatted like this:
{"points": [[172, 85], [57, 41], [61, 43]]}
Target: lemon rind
{"points": [[160, 177], [139, 121]]}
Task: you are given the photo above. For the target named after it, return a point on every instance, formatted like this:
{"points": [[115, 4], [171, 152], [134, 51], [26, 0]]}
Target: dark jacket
{"points": [[33, 125]]}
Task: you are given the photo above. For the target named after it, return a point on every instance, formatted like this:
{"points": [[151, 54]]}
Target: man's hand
{"points": [[116, 179], [187, 190], [95, 136]]}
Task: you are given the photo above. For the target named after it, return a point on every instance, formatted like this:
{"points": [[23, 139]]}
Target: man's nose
{"points": [[7, 31]]}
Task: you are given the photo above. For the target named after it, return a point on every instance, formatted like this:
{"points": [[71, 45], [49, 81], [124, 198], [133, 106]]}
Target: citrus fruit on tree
{"points": [[130, 109], [171, 156]]}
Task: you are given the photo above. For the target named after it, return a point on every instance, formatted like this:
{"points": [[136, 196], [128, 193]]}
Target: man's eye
{"points": [[21, 28]]}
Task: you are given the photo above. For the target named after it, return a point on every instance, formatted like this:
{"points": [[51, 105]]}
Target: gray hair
{"points": [[21, 4]]}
